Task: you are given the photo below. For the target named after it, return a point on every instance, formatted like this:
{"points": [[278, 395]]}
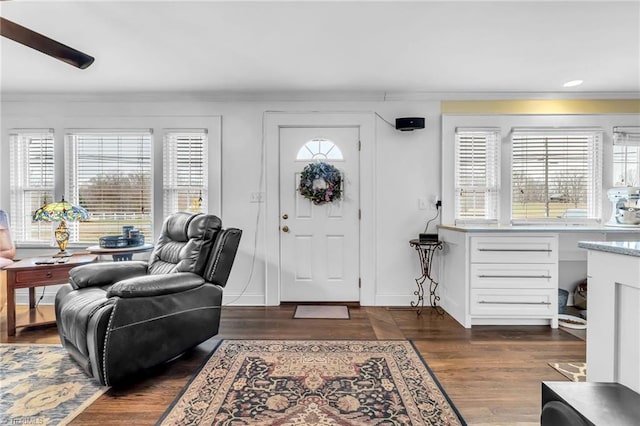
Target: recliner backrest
{"points": [[184, 244]]}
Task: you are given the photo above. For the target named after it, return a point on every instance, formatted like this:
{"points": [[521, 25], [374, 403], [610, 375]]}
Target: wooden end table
{"points": [[28, 274]]}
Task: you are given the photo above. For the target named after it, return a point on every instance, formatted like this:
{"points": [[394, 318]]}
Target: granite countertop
{"points": [[541, 228], [629, 248]]}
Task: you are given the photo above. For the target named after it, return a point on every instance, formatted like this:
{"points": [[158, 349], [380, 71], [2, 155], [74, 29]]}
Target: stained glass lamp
{"points": [[61, 211]]}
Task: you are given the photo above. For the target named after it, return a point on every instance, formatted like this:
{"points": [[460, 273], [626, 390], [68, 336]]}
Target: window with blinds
{"points": [[185, 171], [477, 160], [109, 174], [31, 182], [556, 174], [626, 156]]}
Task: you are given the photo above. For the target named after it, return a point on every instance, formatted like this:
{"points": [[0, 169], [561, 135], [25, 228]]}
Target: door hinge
{"points": [[359, 145], [359, 214], [359, 282]]}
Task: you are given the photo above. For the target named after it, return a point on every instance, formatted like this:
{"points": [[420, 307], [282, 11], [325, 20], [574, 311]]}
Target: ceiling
{"points": [[357, 47]]}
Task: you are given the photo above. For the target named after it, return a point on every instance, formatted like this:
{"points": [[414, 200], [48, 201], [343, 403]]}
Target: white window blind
{"points": [[31, 182], [556, 174], [477, 160], [109, 174], [185, 171], [626, 156]]}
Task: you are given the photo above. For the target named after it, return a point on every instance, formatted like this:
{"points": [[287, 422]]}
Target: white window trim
{"points": [[18, 187], [596, 176], [61, 124], [627, 138], [508, 122], [493, 168], [170, 185]]}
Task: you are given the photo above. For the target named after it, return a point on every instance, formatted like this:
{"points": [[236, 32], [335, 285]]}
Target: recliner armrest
{"points": [[222, 256], [101, 274], [155, 285]]}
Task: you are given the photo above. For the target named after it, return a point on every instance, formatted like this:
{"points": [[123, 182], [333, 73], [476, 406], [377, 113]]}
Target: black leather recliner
{"points": [[118, 318]]}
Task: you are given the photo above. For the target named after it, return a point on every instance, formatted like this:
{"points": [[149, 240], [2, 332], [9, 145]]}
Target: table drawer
{"points": [[521, 249], [504, 302], [42, 275], [514, 275]]}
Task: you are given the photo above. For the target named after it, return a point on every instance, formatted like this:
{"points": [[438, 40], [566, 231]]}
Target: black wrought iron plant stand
{"points": [[426, 250]]}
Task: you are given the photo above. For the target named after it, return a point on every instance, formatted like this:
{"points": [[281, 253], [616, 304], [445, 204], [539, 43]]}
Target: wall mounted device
{"points": [[407, 124]]}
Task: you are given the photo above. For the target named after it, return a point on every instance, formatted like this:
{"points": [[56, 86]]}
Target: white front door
{"points": [[319, 244]]}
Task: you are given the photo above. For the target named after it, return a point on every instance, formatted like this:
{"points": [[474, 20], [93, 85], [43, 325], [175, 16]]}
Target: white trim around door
{"points": [[273, 122]]}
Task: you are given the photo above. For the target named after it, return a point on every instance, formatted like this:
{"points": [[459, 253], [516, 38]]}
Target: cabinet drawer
{"points": [[525, 249], [514, 275], [503, 302], [42, 275]]}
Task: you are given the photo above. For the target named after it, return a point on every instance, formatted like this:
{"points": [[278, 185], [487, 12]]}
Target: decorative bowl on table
{"points": [[120, 241]]}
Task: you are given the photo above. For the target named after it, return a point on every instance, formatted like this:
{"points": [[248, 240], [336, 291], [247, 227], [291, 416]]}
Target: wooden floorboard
{"points": [[493, 374]]}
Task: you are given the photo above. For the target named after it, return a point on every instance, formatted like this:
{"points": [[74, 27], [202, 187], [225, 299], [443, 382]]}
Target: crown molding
{"points": [[302, 96]]}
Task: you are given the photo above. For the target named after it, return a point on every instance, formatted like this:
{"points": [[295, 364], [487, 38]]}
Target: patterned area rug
{"points": [[321, 382], [574, 371], [41, 385]]}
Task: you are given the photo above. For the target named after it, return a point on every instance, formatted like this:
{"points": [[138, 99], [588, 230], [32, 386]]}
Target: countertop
{"points": [[629, 248], [559, 228]]}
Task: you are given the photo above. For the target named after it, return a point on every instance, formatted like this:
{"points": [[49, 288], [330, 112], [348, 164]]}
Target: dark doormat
{"points": [[321, 312]]}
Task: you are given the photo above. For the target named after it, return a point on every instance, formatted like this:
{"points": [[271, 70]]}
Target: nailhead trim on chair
{"points": [[215, 263], [106, 346]]}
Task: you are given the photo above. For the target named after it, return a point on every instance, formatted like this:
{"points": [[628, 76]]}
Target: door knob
{"points": [[285, 228], [285, 216]]}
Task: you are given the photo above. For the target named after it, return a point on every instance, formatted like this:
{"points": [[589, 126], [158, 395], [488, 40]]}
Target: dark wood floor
{"points": [[493, 374]]}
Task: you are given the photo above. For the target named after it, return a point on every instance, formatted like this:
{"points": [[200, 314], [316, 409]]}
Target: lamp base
{"points": [[62, 254]]}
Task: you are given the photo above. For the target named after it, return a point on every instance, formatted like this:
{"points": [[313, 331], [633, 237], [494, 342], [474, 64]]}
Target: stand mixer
{"points": [[625, 209]]}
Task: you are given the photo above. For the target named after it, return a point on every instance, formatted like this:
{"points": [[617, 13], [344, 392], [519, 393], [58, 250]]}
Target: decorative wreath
{"points": [[321, 183]]}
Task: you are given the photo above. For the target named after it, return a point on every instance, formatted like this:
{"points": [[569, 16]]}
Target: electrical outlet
{"points": [[256, 197]]}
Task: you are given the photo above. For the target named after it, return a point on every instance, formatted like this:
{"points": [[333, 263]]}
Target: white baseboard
{"points": [[397, 300], [243, 299]]}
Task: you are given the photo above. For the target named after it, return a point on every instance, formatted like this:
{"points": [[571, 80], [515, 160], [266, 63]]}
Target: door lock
{"points": [[285, 228], [285, 216]]}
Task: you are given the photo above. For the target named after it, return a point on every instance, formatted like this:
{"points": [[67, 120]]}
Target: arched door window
{"points": [[320, 149]]}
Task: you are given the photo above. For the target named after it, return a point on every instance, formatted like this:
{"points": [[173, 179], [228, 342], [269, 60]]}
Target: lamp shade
{"points": [[59, 211], [62, 212]]}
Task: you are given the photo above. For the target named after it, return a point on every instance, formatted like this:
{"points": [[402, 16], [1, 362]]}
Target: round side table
{"points": [[120, 254], [426, 250]]}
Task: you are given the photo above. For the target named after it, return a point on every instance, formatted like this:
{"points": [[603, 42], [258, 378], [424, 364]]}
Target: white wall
{"points": [[407, 167]]}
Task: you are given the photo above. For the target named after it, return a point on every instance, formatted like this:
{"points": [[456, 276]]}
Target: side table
{"points": [[120, 254], [426, 250], [26, 273]]}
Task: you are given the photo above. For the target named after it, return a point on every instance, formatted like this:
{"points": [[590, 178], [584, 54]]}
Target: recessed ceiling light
{"points": [[573, 83]]}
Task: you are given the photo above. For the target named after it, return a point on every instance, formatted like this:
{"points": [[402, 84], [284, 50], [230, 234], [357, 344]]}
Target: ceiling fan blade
{"points": [[44, 44]]}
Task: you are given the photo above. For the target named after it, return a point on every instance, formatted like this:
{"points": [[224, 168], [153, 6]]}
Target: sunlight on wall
{"points": [[543, 106]]}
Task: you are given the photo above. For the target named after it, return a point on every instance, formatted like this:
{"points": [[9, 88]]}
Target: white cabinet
{"points": [[498, 278], [613, 333]]}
